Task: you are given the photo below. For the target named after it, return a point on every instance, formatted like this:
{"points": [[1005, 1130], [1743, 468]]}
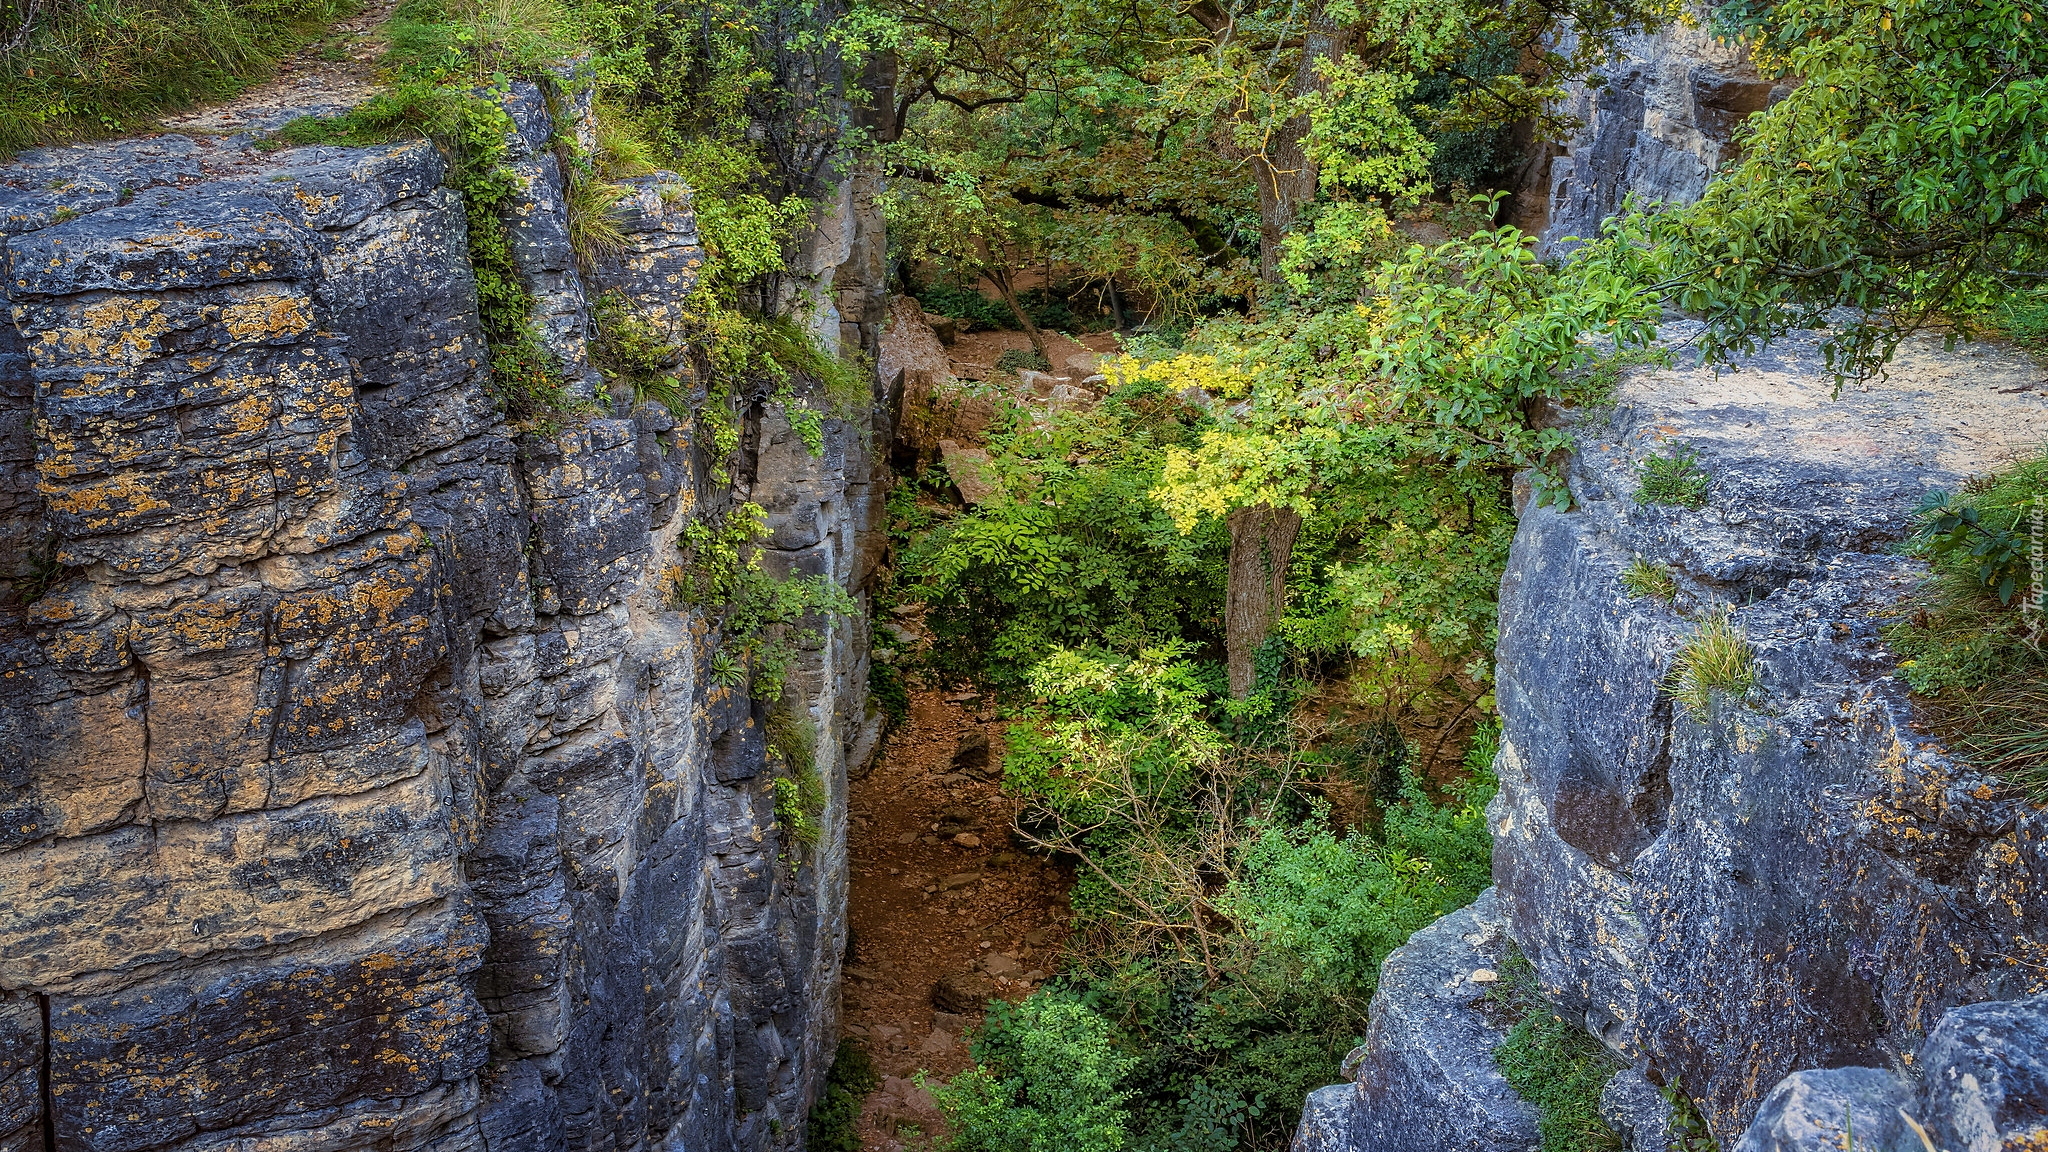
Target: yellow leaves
{"points": [[1187, 370]]}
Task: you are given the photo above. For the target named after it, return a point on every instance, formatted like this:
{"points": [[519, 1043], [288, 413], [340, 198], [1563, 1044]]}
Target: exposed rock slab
{"points": [[1797, 881], [363, 785], [1425, 1079]]}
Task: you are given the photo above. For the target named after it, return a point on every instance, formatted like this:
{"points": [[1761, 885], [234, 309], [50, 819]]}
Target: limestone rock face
{"points": [[1656, 122], [1426, 1030], [1799, 880], [1772, 902], [363, 785]]}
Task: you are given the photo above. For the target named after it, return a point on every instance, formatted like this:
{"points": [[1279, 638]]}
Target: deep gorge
{"points": [[394, 759]]}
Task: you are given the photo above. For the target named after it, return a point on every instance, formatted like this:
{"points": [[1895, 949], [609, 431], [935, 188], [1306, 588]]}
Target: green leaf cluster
{"points": [[1905, 176]]}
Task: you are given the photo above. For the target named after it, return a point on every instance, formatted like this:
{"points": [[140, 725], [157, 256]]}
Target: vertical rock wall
{"points": [[1794, 908], [360, 784], [1655, 122]]}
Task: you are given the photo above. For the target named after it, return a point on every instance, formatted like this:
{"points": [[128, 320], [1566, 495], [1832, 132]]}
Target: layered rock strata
{"points": [[1792, 881], [1655, 122], [365, 786]]}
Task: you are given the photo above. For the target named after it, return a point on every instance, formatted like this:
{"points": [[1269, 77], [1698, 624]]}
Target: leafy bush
{"points": [[1047, 1078], [1676, 479], [835, 1118], [1715, 660], [1071, 553], [965, 304]]}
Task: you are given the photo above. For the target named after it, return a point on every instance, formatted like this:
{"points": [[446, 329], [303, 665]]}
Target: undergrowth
{"points": [[78, 69], [1553, 1064], [1972, 641], [765, 621], [835, 1119]]}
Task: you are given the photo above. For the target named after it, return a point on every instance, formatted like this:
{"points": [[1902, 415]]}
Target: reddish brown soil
{"points": [[910, 930]]}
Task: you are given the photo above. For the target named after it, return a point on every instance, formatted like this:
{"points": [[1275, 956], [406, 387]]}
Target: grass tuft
{"points": [[1716, 660], [1676, 479], [1642, 578]]}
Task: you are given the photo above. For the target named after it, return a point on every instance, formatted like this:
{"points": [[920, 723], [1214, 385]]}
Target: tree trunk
{"points": [[1001, 276], [1261, 544], [1262, 538], [1287, 179]]}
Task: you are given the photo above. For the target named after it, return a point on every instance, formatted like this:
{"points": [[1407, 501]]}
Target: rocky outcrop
{"points": [[1427, 1028], [1655, 122], [365, 787], [1796, 881]]}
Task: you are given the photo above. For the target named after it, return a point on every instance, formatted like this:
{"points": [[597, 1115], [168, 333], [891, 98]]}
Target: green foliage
{"points": [[1955, 535], [1716, 660], [1047, 1078], [799, 804], [1972, 643], [1905, 177], [834, 1124], [1019, 359], [1689, 1129], [1328, 909], [1071, 552], [75, 69], [888, 690], [2022, 315], [1642, 578], [633, 354], [964, 304], [1676, 479], [799, 796], [1556, 1066], [766, 620]]}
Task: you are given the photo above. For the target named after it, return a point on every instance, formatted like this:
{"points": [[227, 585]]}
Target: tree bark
{"points": [[1287, 178], [1261, 544], [1001, 276]]}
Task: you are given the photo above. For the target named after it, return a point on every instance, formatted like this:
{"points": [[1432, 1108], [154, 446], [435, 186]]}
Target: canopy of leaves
{"points": [[1905, 177]]}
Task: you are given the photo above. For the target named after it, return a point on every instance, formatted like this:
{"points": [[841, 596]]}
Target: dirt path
{"points": [[946, 912], [329, 75]]}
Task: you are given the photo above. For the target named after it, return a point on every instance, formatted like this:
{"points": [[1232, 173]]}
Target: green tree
{"points": [[1047, 1078], [1906, 177]]}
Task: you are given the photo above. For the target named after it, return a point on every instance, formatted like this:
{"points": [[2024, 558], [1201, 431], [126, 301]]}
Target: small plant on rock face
{"points": [[1717, 659], [1676, 479], [1642, 578], [1552, 1063]]}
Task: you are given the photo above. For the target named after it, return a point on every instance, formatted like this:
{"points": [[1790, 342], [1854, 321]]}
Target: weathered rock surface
{"points": [[363, 787], [1654, 122], [1799, 882], [1425, 1030]]}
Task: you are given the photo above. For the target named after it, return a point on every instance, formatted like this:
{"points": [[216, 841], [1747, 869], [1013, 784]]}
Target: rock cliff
{"points": [[1793, 908], [365, 787], [1655, 122]]}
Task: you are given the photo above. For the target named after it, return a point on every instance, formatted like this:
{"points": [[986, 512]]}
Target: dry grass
{"points": [[1717, 660]]}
